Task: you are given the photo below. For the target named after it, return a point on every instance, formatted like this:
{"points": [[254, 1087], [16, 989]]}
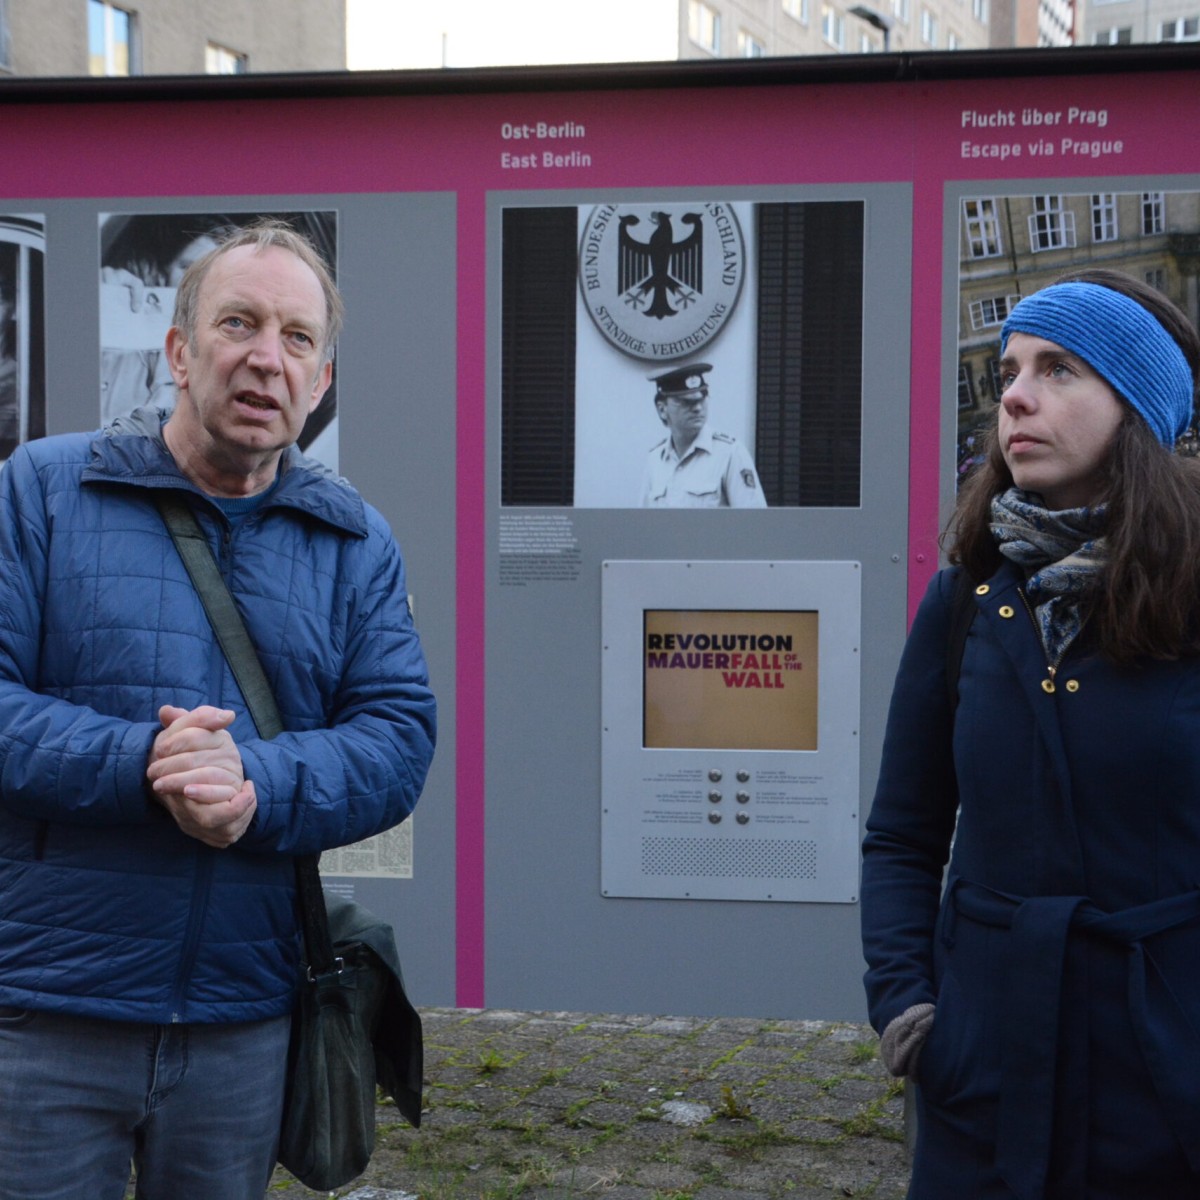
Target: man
{"points": [[693, 467], [149, 941]]}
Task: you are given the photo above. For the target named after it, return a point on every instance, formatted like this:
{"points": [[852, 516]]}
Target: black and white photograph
{"points": [[1013, 246], [142, 258], [22, 331], [687, 352]]}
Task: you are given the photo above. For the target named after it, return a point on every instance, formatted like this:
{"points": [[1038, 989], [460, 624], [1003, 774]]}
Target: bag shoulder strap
{"points": [[222, 612], [235, 642], [962, 613]]}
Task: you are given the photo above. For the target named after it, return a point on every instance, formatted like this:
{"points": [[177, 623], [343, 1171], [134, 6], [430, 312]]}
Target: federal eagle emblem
{"points": [[661, 269], [660, 280]]}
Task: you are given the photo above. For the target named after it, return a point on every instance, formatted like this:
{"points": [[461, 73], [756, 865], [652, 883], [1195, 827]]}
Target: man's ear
{"points": [[321, 384], [177, 355]]}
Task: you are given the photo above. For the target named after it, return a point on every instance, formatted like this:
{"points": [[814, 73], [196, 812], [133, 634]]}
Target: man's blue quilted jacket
{"points": [[106, 908]]}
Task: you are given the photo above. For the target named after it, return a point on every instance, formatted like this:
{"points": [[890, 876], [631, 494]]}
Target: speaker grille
{"points": [[728, 858]]}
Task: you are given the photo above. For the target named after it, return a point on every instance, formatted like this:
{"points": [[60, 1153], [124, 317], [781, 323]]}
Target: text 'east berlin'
{"points": [[542, 131]]}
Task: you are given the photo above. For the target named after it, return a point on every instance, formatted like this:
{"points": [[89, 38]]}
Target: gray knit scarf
{"points": [[1063, 555]]}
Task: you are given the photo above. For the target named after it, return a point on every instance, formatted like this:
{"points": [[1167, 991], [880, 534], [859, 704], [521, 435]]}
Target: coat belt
{"points": [[1029, 1034]]}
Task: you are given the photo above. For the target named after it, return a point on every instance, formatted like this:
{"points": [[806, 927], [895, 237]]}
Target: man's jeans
{"points": [[195, 1107]]}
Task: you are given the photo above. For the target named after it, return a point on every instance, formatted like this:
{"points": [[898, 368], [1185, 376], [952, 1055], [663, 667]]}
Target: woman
{"points": [[1047, 998]]}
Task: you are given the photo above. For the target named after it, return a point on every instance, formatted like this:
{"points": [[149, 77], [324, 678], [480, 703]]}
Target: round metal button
{"points": [[1048, 686], [1005, 610], [714, 818], [714, 797], [1072, 685], [983, 589]]}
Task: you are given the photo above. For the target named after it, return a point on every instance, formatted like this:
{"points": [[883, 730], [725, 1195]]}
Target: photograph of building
{"points": [[1013, 246]]}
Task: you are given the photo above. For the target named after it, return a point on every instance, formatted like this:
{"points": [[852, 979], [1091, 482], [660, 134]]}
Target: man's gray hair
{"points": [[262, 235]]}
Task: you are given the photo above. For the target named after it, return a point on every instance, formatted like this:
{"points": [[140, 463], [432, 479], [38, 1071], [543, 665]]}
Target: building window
{"points": [[1156, 277], [900, 10], [1183, 29], [1152, 214], [111, 33], [704, 26], [1051, 227], [928, 27], [749, 46], [1104, 217], [1121, 35], [966, 393], [797, 9], [993, 310], [833, 26], [982, 228], [219, 60], [951, 40], [979, 10], [994, 378]]}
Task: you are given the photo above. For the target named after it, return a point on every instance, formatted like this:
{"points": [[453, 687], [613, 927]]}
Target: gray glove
{"points": [[901, 1042]]}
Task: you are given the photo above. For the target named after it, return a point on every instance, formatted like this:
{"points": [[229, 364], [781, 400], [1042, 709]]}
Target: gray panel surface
{"points": [[396, 403], [553, 941]]}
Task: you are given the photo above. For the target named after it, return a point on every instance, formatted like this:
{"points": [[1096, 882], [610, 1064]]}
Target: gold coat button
{"points": [[1006, 611], [983, 589], [1048, 686], [1072, 685]]}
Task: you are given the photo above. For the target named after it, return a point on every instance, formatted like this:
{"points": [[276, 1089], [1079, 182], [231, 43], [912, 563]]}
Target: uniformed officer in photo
{"points": [[693, 467]]}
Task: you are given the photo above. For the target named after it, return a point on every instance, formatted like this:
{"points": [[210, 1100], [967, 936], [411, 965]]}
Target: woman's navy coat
{"points": [[1063, 954]]}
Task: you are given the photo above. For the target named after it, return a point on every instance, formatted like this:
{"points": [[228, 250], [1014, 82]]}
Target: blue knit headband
{"points": [[1121, 340]]}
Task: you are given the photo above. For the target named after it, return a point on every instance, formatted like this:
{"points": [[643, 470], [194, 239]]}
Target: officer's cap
{"points": [[682, 383]]}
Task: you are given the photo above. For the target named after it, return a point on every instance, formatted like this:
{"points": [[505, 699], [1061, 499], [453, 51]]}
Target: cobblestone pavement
{"points": [[575, 1106]]}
